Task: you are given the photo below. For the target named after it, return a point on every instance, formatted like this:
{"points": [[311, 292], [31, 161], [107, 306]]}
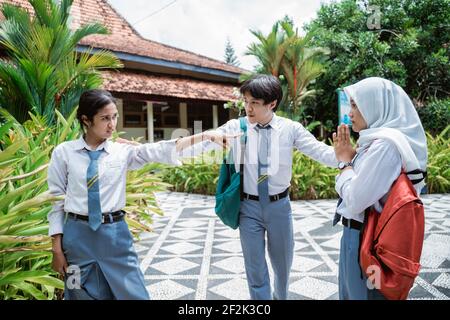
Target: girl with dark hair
{"points": [[92, 246]]}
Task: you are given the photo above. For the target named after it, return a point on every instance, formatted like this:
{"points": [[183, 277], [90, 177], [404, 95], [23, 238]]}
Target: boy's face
{"points": [[256, 110]]}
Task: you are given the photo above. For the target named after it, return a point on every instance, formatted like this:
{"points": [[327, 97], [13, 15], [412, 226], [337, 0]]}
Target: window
{"points": [[166, 114], [199, 111], [134, 114]]}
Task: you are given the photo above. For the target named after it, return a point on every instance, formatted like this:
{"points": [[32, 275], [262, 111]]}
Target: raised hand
{"points": [[222, 140], [342, 146]]}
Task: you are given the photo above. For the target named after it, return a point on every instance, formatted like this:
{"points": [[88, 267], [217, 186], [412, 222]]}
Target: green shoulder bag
{"points": [[230, 185]]}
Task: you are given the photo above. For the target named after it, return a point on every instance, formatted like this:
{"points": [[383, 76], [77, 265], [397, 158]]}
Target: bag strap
{"points": [[243, 126], [416, 172], [414, 180]]}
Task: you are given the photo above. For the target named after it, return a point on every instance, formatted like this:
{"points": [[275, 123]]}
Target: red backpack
{"points": [[392, 241]]}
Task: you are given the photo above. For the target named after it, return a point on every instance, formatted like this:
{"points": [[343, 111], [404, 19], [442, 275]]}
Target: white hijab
{"points": [[390, 115]]}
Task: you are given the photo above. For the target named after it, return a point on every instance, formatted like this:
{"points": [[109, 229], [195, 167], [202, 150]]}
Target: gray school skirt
{"points": [[102, 264]]}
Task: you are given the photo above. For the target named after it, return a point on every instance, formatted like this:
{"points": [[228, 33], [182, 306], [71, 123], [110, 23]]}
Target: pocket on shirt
{"points": [[112, 172]]}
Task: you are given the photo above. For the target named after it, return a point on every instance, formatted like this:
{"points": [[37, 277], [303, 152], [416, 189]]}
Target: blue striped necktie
{"points": [[94, 206], [263, 153]]}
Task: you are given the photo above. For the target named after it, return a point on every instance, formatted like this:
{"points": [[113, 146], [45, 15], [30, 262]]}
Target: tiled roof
{"points": [[124, 38], [125, 81]]}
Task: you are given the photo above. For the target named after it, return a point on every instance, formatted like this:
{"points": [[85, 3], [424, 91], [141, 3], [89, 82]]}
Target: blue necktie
{"points": [[94, 207], [263, 165]]}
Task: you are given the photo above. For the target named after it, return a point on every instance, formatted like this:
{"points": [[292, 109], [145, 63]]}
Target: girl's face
{"points": [[104, 122], [358, 122]]}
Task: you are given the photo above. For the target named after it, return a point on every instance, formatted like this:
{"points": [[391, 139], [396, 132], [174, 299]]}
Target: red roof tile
{"points": [[125, 81], [124, 38]]}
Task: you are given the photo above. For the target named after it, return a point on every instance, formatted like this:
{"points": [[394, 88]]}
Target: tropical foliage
{"points": [[310, 179], [41, 81], [44, 72], [435, 115], [196, 175], [25, 254], [438, 180], [411, 48], [285, 54]]}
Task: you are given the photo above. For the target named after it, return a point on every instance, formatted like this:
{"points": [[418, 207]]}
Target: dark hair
{"points": [[265, 87], [91, 102]]}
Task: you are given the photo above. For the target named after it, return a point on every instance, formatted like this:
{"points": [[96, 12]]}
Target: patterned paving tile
{"points": [[228, 233], [443, 281], [235, 289], [304, 264], [191, 224], [232, 264], [192, 255], [168, 290], [334, 242], [233, 246], [174, 265], [181, 248], [187, 234], [314, 288]]}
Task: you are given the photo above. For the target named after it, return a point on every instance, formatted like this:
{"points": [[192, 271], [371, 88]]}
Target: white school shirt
{"points": [[285, 136], [375, 169], [68, 168]]}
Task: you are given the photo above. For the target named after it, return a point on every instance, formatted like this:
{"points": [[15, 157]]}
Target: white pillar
{"points": [[215, 112], [150, 121], [119, 105], [183, 115]]}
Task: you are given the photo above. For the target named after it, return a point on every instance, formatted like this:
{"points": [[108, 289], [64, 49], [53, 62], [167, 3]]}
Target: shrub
{"points": [[435, 116]]}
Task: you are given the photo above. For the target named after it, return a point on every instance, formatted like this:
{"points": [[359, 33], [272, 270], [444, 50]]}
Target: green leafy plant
{"points": [[310, 179], [411, 48], [44, 72], [438, 168], [285, 54], [25, 248], [435, 115]]}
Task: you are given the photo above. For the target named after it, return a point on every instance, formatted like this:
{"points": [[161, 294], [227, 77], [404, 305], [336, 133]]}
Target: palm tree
{"points": [[270, 49], [300, 65], [285, 54], [44, 72]]}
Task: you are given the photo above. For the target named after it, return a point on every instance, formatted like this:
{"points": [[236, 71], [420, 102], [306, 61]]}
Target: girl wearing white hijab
{"points": [[391, 138]]}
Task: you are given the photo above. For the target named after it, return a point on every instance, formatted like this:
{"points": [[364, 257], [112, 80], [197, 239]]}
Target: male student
{"points": [[265, 210]]}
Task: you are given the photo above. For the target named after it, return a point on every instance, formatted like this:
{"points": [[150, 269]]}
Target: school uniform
{"points": [[265, 210], [375, 168], [96, 240]]}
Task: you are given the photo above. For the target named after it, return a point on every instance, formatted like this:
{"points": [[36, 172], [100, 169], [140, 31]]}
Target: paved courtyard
{"points": [[191, 255]]}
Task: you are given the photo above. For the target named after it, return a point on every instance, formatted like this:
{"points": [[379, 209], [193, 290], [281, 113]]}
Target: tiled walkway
{"points": [[192, 255]]}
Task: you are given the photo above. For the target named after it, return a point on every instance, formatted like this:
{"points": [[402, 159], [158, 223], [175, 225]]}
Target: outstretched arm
{"points": [[170, 151], [219, 138], [190, 146], [306, 143]]}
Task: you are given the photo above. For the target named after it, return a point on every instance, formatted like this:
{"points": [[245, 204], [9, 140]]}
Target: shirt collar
{"points": [[81, 144], [273, 123]]}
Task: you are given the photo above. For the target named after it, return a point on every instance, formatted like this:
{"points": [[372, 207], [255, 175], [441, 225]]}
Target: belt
{"points": [[273, 198], [352, 224], [106, 217]]}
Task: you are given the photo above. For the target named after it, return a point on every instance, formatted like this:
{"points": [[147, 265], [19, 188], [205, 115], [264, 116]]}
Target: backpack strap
{"points": [[243, 126], [417, 176]]}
